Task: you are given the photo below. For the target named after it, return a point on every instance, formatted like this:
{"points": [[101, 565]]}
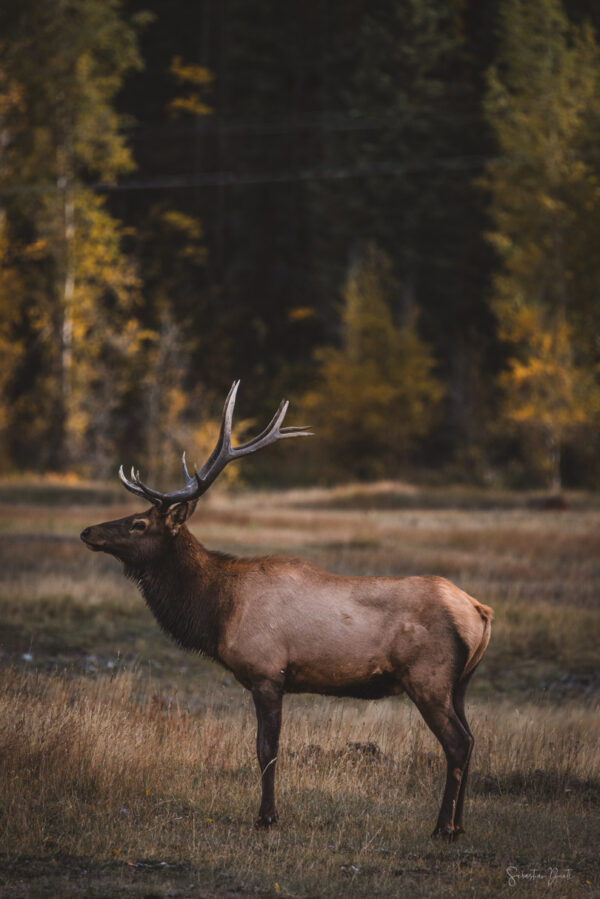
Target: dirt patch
{"points": [[71, 876]]}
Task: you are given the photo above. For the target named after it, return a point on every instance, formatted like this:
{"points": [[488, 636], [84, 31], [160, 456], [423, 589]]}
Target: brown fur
{"points": [[283, 625]]}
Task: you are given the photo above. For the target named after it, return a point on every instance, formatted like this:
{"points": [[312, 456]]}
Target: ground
{"points": [[128, 766]]}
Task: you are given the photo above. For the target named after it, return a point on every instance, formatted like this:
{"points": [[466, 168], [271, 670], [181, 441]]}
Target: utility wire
{"points": [[319, 122], [232, 179]]}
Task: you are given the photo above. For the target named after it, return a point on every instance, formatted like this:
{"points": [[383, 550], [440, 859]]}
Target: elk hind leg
{"points": [[267, 702], [456, 741], [459, 707]]}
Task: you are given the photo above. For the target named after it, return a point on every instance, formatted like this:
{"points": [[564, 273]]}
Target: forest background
{"points": [[388, 213]]}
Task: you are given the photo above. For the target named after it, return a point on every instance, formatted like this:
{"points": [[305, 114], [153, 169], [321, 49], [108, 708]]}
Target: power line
{"points": [[234, 179], [325, 122]]}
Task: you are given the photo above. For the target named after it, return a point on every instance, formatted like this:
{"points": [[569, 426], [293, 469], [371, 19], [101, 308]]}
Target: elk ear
{"points": [[178, 515]]}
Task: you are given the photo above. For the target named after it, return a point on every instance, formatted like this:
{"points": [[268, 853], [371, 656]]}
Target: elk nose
{"points": [[85, 534]]}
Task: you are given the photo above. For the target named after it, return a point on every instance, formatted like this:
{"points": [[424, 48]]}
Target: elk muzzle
{"points": [[92, 541]]}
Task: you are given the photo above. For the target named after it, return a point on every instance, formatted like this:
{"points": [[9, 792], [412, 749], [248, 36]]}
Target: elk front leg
{"points": [[267, 701]]}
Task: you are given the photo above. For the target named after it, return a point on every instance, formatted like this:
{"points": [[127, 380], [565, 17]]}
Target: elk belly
{"points": [[372, 681]]}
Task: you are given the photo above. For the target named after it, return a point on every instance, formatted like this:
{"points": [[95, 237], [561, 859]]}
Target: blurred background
{"points": [[388, 213]]}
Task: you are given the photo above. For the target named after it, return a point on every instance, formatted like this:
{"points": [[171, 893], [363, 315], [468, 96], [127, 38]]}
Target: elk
{"points": [[283, 625]]}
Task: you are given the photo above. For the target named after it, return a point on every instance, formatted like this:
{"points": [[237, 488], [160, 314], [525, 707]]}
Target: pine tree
{"points": [[377, 394], [542, 106], [405, 92]]}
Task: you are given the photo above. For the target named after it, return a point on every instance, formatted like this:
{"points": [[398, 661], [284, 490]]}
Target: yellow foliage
{"points": [[198, 77], [188, 73], [545, 391], [541, 98], [186, 234], [187, 224], [378, 393], [11, 349], [192, 105], [11, 95], [100, 330], [301, 313], [201, 439]]}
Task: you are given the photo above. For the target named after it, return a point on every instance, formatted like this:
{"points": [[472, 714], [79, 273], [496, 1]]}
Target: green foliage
{"points": [[541, 101], [68, 60], [377, 394], [542, 106], [401, 82]]}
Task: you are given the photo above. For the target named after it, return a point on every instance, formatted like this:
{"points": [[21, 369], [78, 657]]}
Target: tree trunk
{"points": [[554, 457], [65, 290], [68, 291]]}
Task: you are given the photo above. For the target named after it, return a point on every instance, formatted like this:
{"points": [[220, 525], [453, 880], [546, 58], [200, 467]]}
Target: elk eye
{"points": [[139, 526]]}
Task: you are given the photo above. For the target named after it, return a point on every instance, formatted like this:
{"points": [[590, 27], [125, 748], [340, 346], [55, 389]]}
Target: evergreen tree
{"points": [[410, 131], [542, 106], [377, 394]]}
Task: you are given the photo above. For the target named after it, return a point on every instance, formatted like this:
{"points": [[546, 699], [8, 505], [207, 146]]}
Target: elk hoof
{"points": [[448, 834], [263, 822]]}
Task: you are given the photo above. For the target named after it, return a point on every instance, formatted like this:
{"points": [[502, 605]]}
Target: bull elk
{"points": [[282, 625]]}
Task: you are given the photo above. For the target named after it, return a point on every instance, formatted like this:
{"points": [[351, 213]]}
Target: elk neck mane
{"points": [[184, 590]]}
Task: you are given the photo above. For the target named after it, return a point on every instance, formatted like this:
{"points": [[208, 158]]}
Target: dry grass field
{"points": [[128, 766]]}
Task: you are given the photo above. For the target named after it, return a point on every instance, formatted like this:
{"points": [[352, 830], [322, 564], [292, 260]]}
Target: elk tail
{"points": [[476, 655]]}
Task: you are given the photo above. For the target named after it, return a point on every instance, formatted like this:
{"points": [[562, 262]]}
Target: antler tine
{"points": [[273, 425], [188, 477], [297, 431], [223, 444], [222, 454], [131, 485], [225, 453], [273, 432], [135, 486], [227, 422]]}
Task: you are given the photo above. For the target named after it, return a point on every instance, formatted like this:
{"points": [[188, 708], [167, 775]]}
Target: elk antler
{"points": [[223, 453]]}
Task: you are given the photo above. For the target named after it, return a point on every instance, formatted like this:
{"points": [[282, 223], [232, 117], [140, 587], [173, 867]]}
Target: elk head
{"points": [[138, 538]]}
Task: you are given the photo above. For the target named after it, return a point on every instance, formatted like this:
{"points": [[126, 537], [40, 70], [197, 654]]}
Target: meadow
{"points": [[128, 766]]}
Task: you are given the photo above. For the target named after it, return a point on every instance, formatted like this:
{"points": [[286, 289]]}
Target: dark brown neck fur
{"points": [[186, 589]]}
